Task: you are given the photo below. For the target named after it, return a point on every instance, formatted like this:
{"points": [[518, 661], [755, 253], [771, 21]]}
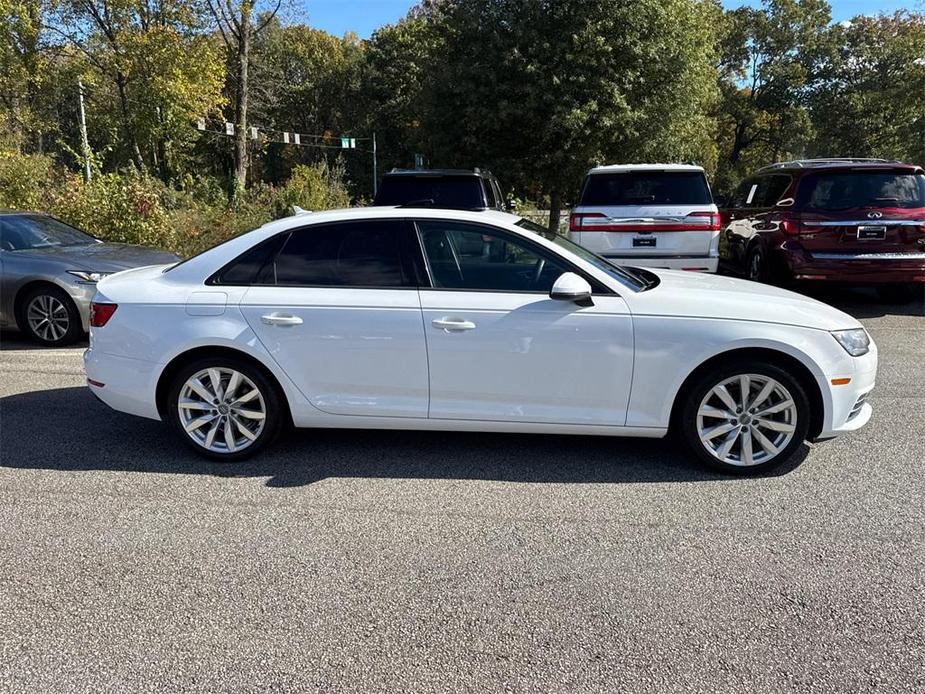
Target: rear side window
{"points": [[350, 254], [448, 192], [647, 188], [251, 267], [843, 190]]}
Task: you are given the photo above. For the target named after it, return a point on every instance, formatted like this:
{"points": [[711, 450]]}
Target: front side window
{"points": [[647, 188], [347, 254], [470, 256], [844, 190], [26, 232]]}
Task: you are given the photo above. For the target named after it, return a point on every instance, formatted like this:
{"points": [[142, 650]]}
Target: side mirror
{"points": [[571, 287]]}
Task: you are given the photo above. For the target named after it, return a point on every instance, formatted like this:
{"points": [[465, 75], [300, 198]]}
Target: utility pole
{"points": [[375, 168], [84, 145]]}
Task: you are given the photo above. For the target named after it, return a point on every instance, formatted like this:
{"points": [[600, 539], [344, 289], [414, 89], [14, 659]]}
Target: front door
{"points": [[339, 312], [499, 349]]}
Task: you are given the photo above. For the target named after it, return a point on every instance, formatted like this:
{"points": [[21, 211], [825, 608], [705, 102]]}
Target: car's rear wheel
{"points": [[745, 417], [48, 316], [225, 409], [756, 266]]}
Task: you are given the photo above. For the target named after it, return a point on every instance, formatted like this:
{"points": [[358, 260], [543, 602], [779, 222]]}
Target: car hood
{"points": [[702, 295], [102, 257]]}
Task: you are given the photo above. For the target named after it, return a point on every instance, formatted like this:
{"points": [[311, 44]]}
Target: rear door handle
{"points": [[281, 319], [453, 324]]}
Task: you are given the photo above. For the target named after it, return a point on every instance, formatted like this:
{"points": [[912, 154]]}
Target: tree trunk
{"points": [[127, 124], [240, 107], [555, 210]]}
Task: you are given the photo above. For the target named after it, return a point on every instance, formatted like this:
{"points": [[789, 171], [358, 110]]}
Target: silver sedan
{"points": [[49, 271]]}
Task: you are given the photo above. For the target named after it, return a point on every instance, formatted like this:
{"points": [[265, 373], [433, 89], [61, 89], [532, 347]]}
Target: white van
{"points": [[649, 215]]}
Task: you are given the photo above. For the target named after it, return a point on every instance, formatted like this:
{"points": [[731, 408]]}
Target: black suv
{"points": [[454, 189]]}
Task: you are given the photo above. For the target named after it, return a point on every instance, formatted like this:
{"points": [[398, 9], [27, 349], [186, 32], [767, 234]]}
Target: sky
{"points": [[365, 16]]}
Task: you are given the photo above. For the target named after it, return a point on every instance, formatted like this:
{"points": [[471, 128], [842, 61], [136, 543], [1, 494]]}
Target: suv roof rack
{"points": [[476, 171], [810, 163]]}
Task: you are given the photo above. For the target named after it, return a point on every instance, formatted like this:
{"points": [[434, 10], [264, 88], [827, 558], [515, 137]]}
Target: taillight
{"points": [[101, 313], [790, 227], [585, 221], [714, 219]]}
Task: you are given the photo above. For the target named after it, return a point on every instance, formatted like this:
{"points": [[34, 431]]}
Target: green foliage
{"points": [[24, 180], [312, 188]]}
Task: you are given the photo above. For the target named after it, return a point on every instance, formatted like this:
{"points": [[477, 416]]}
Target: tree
{"points": [[543, 90], [870, 100], [239, 27], [770, 61]]}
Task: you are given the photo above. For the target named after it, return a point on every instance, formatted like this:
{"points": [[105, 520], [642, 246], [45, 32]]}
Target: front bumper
{"points": [[861, 268], [850, 409]]}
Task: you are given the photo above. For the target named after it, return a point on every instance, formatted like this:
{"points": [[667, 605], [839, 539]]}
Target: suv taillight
{"points": [[790, 227], [101, 313], [714, 219], [586, 221]]}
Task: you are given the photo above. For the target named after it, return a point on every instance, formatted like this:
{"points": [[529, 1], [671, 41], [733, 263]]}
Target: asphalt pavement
{"points": [[363, 561]]}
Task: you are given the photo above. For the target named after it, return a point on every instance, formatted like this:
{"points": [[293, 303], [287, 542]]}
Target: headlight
{"points": [[93, 277], [856, 342]]}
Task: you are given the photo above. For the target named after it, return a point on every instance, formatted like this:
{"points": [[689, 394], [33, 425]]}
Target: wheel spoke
{"points": [[244, 430], [763, 394], [215, 377], [727, 444], [719, 429], [199, 421], [746, 448], [722, 393], [210, 437], [764, 442], [229, 435], [778, 407], [233, 384], [200, 389], [774, 425], [194, 405], [247, 397], [249, 414], [745, 387], [718, 413]]}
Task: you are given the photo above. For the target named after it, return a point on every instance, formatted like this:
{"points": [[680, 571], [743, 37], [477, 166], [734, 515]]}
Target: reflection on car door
{"points": [[500, 349], [340, 314]]}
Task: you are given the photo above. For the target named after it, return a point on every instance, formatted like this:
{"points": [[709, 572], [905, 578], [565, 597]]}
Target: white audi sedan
{"points": [[403, 318]]}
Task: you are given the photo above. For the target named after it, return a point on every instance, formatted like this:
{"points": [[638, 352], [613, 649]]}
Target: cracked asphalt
{"points": [[363, 561]]}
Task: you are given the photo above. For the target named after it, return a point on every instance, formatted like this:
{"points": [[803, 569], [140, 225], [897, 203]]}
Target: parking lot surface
{"points": [[361, 561]]}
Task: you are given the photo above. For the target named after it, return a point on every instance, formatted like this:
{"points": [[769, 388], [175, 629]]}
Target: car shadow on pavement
{"points": [[862, 302], [13, 340], [68, 429]]}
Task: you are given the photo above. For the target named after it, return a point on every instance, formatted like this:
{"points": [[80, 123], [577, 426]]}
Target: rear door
{"points": [[646, 214], [862, 211], [337, 307]]}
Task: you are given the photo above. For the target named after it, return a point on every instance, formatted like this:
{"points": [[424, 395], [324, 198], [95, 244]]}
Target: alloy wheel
{"points": [[221, 410], [48, 317], [746, 420]]}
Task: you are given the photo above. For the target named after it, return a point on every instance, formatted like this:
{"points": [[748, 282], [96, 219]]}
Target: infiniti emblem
{"points": [[874, 215]]}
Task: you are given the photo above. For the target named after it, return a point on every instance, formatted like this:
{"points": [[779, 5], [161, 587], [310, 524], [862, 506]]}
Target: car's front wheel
{"points": [[48, 316], [745, 417], [225, 409]]}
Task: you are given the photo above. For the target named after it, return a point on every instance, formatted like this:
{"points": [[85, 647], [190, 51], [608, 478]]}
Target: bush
{"points": [[25, 179], [316, 187]]}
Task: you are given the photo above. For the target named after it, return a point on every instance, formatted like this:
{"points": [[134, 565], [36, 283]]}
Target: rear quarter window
{"points": [[646, 188]]}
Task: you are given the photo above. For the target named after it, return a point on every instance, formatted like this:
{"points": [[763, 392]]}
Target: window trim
{"points": [[597, 287]]}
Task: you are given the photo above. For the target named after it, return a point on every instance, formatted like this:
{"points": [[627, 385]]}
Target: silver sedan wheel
{"points": [[746, 419], [48, 317], [221, 410]]}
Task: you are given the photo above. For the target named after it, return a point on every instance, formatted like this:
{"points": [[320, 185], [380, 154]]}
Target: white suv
{"points": [[649, 215]]}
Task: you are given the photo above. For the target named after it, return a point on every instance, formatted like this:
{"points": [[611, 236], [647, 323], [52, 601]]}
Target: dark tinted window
{"points": [[771, 190], [252, 267], [647, 188], [349, 254], [843, 190], [742, 193], [22, 232], [449, 192], [469, 256]]}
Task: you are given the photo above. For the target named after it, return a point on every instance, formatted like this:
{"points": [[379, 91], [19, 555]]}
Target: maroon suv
{"points": [[860, 221]]}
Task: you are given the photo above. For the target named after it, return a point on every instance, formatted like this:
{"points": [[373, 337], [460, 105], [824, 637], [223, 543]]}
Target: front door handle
{"points": [[282, 319], [453, 324]]}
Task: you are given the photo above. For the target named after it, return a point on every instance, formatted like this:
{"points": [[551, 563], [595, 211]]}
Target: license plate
{"points": [[871, 232], [644, 242]]}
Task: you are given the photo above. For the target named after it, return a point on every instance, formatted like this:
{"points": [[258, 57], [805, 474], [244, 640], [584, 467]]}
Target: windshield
{"points": [[24, 232], [845, 190], [448, 192], [647, 188], [625, 275]]}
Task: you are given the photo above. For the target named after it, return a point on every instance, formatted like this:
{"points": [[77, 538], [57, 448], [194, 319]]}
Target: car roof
{"points": [[837, 163], [439, 172], [619, 168]]}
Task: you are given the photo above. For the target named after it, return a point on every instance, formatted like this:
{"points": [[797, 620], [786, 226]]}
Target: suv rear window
{"points": [[844, 190], [451, 192], [647, 188]]}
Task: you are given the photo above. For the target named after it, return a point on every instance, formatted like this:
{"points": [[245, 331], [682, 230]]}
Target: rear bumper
{"points": [[861, 268], [128, 384]]}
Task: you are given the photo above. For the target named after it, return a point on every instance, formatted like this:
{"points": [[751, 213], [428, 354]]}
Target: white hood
{"points": [[701, 295]]}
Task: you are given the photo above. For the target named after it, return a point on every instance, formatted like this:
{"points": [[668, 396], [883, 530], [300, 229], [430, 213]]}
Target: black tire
{"points": [[756, 266], [269, 396], [694, 394], [901, 292], [64, 311]]}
